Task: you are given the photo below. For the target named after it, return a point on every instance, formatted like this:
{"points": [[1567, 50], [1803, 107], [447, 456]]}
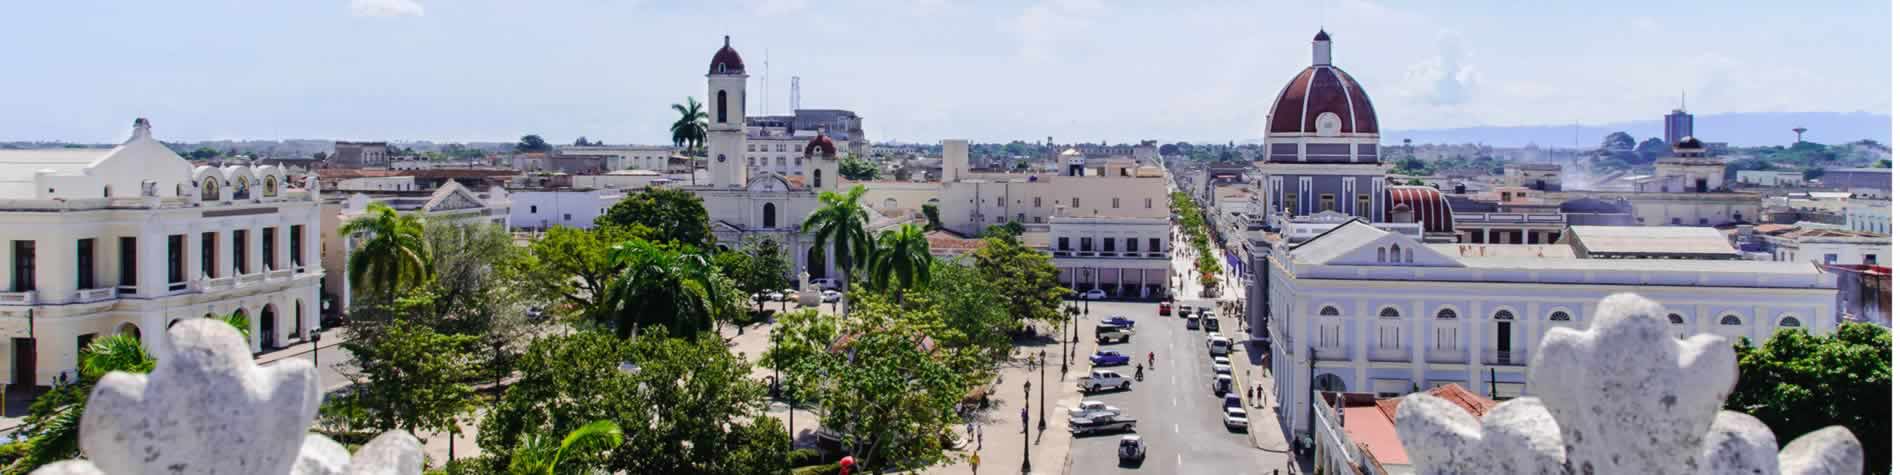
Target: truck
{"points": [[1101, 423], [1118, 335]]}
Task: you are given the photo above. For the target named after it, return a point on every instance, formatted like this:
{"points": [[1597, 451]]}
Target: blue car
{"points": [[1119, 321], [1108, 358]]}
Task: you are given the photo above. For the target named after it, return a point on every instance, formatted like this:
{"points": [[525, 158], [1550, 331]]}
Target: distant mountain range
{"points": [[1745, 129]]}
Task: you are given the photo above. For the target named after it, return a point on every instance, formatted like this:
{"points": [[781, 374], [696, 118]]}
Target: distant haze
{"points": [[1746, 129]]}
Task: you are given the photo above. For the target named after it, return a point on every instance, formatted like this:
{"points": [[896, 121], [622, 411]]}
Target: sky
{"points": [[916, 70]]}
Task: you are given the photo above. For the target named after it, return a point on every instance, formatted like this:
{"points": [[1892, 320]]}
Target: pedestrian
{"points": [[979, 439], [975, 460]]}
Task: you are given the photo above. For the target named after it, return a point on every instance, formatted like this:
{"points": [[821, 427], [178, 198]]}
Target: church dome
{"points": [[1322, 100], [1689, 143], [821, 146], [726, 60]]}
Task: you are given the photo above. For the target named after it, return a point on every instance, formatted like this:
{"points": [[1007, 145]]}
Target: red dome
{"points": [[728, 57], [1317, 90], [1429, 207], [821, 146]]}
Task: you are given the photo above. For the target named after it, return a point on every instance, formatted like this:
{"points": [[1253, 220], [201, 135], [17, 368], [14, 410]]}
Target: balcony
{"points": [[279, 274], [128, 290], [1504, 358], [1447, 356], [251, 278], [218, 283], [1390, 355], [19, 298], [95, 295]]}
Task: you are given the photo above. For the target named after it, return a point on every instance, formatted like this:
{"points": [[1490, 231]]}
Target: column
{"points": [[1524, 236], [55, 270]]}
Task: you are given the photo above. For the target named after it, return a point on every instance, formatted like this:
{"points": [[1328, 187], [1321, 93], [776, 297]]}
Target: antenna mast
{"points": [[794, 95]]}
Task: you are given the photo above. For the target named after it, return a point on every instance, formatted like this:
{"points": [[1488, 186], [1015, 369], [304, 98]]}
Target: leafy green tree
{"points": [[668, 215], [532, 143], [757, 267], [392, 253], [570, 268], [1797, 383], [667, 288], [930, 215], [1619, 142], [839, 221], [690, 129], [1652, 148], [539, 455], [407, 377], [204, 153], [479, 289], [1029, 283], [854, 168], [685, 405], [900, 261], [880, 383]]}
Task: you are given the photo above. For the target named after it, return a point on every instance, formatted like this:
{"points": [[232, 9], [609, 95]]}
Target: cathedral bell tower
{"points": [[725, 118]]}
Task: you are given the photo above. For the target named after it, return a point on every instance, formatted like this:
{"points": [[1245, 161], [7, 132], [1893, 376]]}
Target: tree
{"points": [[1619, 142], [881, 382], [1029, 283], [570, 268], [1414, 182], [690, 129], [532, 143], [900, 261], [408, 377], [392, 254], [582, 141], [1797, 383], [685, 405], [854, 168], [478, 288], [839, 221], [538, 455], [1652, 148], [757, 267], [668, 215], [933, 222], [664, 287]]}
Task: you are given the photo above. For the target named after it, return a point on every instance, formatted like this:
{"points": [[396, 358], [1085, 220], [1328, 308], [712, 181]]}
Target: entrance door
{"points": [[24, 362], [267, 324], [1504, 342]]}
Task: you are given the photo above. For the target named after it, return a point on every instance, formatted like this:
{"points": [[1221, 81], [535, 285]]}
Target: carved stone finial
{"points": [[1623, 396]]}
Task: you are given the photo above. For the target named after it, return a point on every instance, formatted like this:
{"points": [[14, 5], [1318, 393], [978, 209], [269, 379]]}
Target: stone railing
{"points": [[19, 298], [218, 283], [250, 278], [95, 295], [280, 274], [1624, 396], [208, 408]]}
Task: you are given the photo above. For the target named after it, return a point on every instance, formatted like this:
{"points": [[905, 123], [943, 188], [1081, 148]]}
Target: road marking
{"points": [[1177, 428], [1177, 460]]}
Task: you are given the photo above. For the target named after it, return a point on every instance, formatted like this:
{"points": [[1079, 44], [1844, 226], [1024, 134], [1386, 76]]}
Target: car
{"points": [[1120, 321], [826, 283], [774, 296], [1095, 294], [1231, 400], [789, 294], [1100, 423], [1223, 366], [1101, 380], [1185, 311], [1235, 418], [1165, 309], [1132, 450], [1108, 358], [1223, 384], [829, 296], [1210, 324], [1193, 323], [1113, 335], [1090, 408], [1219, 346]]}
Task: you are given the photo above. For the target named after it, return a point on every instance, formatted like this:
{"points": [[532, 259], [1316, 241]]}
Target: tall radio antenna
{"points": [[794, 94]]}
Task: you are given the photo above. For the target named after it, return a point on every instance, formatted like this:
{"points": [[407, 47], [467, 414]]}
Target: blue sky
{"points": [[918, 70]]}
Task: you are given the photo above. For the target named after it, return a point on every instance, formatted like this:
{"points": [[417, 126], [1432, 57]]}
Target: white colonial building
{"points": [[450, 203], [625, 157], [1365, 310], [133, 239]]}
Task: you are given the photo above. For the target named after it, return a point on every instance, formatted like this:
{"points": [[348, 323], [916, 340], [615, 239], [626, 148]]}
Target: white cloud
{"points": [[1445, 79], [385, 8], [779, 7]]}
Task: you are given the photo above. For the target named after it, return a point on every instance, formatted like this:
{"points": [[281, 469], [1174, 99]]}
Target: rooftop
{"points": [[1649, 241]]}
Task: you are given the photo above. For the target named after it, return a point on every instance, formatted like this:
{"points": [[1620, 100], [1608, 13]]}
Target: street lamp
{"points": [[1025, 427], [1042, 360]]}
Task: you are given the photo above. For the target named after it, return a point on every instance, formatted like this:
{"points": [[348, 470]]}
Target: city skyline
{"points": [[1071, 69]]}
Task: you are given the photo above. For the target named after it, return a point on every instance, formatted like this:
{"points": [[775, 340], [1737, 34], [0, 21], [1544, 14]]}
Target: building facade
{"points": [[360, 155], [1322, 144], [133, 239], [1677, 125], [538, 210], [450, 203], [623, 157]]}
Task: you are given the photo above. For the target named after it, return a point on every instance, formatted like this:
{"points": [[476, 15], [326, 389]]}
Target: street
{"points": [[1177, 413]]}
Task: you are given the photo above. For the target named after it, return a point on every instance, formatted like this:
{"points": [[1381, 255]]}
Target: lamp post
{"points": [[1025, 428], [1042, 360]]}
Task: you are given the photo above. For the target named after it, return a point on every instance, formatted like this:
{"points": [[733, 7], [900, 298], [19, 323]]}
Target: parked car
{"points": [[1210, 324], [826, 283], [1100, 423], [1132, 450], [829, 296], [1219, 346], [1102, 379], [788, 295], [1236, 418], [1223, 384], [774, 296], [1231, 400], [1165, 309], [1120, 321], [1185, 311], [1094, 294], [1113, 335], [1108, 358], [1193, 323], [1090, 408], [1223, 366]]}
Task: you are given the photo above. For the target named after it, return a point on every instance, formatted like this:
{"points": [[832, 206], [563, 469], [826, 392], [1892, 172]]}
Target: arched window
{"points": [[210, 189], [1790, 322], [770, 213], [1408, 256], [1381, 254], [1447, 314], [1503, 315], [1389, 312], [1328, 311], [1395, 253], [1731, 320], [270, 185], [1559, 316], [817, 178], [722, 105], [108, 192], [1675, 319]]}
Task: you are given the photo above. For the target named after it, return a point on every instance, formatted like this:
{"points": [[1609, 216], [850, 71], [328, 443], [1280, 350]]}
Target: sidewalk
{"points": [[1001, 424]]}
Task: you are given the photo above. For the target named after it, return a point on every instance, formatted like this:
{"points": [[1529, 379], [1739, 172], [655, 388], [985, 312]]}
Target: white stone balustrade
{"points": [[18, 298], [95, 295], [208, 408], [1624, 396]]}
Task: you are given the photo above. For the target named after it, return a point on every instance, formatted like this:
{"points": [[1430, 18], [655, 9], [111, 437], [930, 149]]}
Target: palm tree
{"points": [[690, 129], [839, 220], [658, 286], [52, 426], [904, 255], [537, 457], [394, 253]]}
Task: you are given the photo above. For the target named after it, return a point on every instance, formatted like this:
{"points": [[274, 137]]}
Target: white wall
{"points": [[574, 209]]}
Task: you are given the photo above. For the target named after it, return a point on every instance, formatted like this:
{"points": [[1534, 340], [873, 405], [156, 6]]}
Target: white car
{"points": [[829, 296], [1223, 366], [788, 295], [826, 283], [1094, 294], [1092, 408], [1102, 380], [1235, 418], [1223, 384], [774, 296], [1219, 345]]}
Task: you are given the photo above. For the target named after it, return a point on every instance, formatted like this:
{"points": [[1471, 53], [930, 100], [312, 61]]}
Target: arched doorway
{"points": [[129, 329], [1329, 382], [296, 320], [267, 327], [769, 217]]}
